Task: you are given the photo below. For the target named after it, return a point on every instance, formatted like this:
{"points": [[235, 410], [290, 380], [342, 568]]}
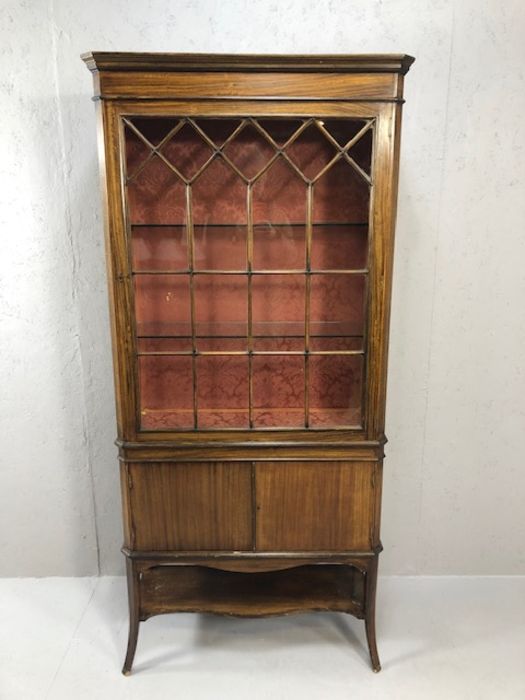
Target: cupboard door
{"points": [[191, 506], [307, 506]]}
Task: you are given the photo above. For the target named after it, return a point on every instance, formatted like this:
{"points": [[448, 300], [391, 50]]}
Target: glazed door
{"points": [[249, 254]]}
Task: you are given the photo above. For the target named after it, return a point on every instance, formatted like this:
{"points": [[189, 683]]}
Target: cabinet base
{"points": [[224, 588]]}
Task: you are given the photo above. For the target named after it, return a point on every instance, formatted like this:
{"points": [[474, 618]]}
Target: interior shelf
{"points": [[253, 272], [238, 329], [302, 224]]}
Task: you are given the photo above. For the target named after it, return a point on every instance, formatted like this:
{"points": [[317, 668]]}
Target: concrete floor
{"points": [[444, 638]]}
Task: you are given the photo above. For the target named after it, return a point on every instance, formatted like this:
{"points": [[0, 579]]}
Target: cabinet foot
{"points": [[372, 645], [370, 613], [134, 621]]}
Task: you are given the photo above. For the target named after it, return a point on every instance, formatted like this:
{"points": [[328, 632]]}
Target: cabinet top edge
{"points": [[189, 62]]}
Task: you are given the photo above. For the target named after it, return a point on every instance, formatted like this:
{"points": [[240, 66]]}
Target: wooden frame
{"points": [[368, 88]]}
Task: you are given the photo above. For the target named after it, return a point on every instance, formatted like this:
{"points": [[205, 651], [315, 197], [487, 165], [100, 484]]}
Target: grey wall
{"points": [[454, 475]]}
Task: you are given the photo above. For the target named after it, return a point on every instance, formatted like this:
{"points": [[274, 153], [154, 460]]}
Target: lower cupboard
{"points": [[293, 506]]}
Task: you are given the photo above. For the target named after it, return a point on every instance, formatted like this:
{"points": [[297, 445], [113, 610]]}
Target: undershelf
{"points": [[166, 589]]}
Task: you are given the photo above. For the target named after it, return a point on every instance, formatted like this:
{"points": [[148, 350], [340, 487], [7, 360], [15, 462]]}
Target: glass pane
{"points": [[187, 151], [249, 151], [280, 130], [166, 394], [219, 216], [154, 129], [339, 247], [219, 196], [362, 152], [337, 305], [137, 151], [328, 342], [341, 195], [279, 212], [335, 390], [159, 248], [284, 339], [279, 246], [218, 130], [222, 391], [221, 307], [156, 196], [278, 391], [220, 343], [162, 305], [311, 151], [165, 346], [343, 130], [279, 198], [278, 303], [220, 247]]}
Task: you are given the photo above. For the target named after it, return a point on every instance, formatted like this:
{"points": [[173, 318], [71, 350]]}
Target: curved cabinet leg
{"points": [[133, 600], [370, 612]]}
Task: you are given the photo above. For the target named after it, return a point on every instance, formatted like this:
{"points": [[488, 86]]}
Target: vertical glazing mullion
{"points": [[191, 265], [308, 245], [249, 263]]}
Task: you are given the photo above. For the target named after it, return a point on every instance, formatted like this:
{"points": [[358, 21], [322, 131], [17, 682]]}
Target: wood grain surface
{"points": [[306, 506], [191, 505]]}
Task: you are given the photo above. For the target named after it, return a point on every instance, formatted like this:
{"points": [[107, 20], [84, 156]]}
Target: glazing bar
{"points": [[245, 353], [308, 244], [362, 271], [249, 262], [191, 264]]}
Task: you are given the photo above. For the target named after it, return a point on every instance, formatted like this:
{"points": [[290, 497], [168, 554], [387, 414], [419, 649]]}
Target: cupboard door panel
{"points": [[191, 506], [308, 506]]}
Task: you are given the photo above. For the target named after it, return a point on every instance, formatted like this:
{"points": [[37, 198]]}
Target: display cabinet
{"points": [[250, 207]]}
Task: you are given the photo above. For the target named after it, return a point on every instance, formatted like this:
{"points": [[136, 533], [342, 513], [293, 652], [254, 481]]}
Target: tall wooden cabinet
{"points": [[250, 207]]}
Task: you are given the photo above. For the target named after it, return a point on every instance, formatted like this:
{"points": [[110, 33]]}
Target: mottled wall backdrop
{"points": [[454, 476]]}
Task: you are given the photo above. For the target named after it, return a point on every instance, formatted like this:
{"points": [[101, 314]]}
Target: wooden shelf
{"points": [[167, 589]]}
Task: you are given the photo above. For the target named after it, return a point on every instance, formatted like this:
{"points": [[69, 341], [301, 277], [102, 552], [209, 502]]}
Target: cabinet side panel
{"points": [[191, 506], [378, 491], [117, 265], [384, 200], [308, 506], [126, 513]]}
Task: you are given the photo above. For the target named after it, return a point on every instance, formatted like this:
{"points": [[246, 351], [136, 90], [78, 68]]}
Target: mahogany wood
{"points": [[311, 506], [262, 86], [191, 505], [246, 521], [150, 62], [133, 579]]}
